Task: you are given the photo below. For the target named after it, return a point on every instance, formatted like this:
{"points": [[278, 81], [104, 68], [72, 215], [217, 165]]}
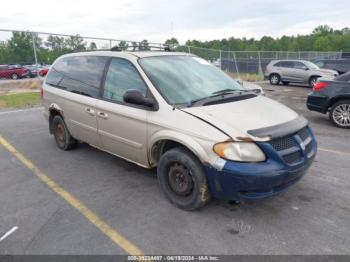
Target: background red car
{"points": [[43, 71], [14, 72]]}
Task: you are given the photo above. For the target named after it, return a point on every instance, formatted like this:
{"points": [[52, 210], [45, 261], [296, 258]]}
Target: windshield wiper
{"points": [[215, 94], [224, 91], [227, 91]]}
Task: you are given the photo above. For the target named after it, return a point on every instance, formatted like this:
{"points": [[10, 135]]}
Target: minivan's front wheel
{"points": [[182, 179], [340, 114], [62, 136], [274, 79]]}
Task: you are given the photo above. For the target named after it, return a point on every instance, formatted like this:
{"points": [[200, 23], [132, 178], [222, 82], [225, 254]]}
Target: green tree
{"points": [[92, 46], [123, 45], [144, 45], [172, 42], [322, 38], [76, 43], [21, 47]]}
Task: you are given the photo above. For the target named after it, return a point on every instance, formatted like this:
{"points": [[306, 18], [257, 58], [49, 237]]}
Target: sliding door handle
{"points": [[102, 115]]}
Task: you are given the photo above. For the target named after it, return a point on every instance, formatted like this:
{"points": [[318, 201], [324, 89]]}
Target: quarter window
{"points": [[121, 77], [278, 64], [78, 74]]}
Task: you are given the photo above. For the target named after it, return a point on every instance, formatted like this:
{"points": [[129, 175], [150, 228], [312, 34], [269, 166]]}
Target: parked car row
{"points": [[22, 71], [13, 72]]}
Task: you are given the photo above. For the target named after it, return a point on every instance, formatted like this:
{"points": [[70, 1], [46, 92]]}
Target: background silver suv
{"points": [[296, 71]]}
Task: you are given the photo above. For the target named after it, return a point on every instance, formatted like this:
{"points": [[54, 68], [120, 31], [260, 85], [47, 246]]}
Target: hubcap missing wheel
{"points": [[180, 179]]}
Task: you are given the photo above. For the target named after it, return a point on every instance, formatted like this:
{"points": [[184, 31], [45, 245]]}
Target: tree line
{"points": [[323, 38], [19, 48]]}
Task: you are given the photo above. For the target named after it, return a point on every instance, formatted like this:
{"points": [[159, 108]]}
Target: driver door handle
{"points": [[102, 115]]}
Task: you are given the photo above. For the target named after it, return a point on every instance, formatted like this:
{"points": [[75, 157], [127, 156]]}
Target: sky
{"points": [[157, 20]]}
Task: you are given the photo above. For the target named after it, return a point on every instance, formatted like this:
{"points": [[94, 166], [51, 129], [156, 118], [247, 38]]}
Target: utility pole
{"points": [[34, 48]]}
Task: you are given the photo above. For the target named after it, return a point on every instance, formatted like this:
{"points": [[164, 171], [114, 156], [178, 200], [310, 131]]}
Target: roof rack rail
{"points": [[135, 48]]}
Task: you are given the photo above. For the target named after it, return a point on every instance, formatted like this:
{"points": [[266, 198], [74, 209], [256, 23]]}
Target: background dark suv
{"points": [[332, 96]]}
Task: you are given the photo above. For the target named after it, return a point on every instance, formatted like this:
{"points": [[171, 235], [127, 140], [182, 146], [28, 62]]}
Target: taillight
{"points": [[41, 93], [319, 85]]}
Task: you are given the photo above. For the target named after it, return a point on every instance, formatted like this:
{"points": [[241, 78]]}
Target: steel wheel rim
{"points": [[60, 134], [14, 77], [341, 115], [180, 180]]}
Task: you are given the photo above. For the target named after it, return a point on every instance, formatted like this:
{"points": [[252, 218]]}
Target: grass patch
{"points": [[20, 100], [246, 76]]}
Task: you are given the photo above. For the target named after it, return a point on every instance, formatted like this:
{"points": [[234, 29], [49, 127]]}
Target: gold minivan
{"points": [[207, 135]]}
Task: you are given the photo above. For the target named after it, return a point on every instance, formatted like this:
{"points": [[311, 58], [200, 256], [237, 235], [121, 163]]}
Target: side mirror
{"points": [[135, 97], [305, 68]]}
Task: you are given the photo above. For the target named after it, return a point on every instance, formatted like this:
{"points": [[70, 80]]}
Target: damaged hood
{"points": [[237, 118]]}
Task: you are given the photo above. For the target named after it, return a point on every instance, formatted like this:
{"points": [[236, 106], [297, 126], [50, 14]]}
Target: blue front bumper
{"points": [[237, 180]]}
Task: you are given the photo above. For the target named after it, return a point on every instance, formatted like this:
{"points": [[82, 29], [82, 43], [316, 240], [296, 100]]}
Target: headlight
{"points": [[239, 151]]}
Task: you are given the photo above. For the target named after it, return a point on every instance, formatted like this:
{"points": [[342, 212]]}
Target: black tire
{"points": [[274, 79], [335, 114], [62, 136], [312, 81], [180, 165], [14, 76], [285, 83]]}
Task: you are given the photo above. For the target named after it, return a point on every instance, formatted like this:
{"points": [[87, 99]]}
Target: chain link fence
{"points": [[250, 65], [25, 54]]}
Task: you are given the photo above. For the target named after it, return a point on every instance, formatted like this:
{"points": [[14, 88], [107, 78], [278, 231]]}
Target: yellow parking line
{"points": [[334, 151], [74, 202]]}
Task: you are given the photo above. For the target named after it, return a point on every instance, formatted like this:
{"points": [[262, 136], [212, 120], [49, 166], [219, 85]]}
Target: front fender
{"points": [[188, 141]]}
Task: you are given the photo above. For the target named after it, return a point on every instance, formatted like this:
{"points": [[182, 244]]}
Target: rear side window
{"points": [[278, 64], [54, 78], [121, 77], [78, 74], [284, 64], [288, 64]]}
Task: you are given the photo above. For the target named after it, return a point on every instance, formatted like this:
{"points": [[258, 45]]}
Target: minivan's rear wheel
{"points": [[14, 76], [340, 114], [62, 136], [312, 81], [182, 179], [274, 79]]}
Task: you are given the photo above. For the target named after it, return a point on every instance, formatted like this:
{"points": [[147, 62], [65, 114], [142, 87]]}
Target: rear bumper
{"points": [[317, 102], [239, 181]]}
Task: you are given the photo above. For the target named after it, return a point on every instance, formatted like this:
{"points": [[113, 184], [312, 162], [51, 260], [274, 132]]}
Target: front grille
{"points": [[289, 148], [292, 158], [282, 143]]}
